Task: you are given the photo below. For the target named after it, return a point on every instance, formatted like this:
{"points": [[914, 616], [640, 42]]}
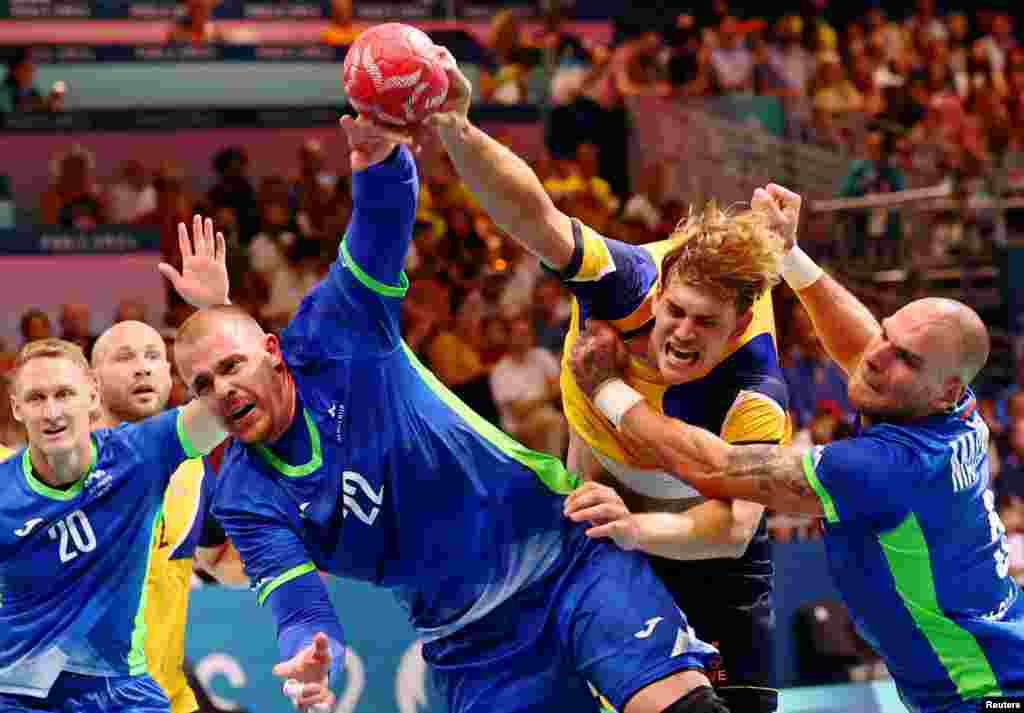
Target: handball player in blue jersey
{"points": [[350, 457], [913, 540], [77, 516]]}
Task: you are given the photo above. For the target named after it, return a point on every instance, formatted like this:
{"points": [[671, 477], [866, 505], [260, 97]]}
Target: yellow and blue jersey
{"points": [[742, 397], [168, 584], [919, 555], [73, 562]]}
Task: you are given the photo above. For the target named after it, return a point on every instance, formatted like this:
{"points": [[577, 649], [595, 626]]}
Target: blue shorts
{"points": [[72, 693], [603, 618]]}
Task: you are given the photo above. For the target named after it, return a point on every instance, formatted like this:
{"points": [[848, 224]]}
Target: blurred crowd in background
{"points": [[911, 100]]}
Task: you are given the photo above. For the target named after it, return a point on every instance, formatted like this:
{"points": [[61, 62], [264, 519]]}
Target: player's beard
{"points": [[131, 409], [876, 405]]}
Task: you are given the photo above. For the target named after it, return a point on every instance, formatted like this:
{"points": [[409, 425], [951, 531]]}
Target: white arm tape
{"points": [[614, 397], [799, 270]]}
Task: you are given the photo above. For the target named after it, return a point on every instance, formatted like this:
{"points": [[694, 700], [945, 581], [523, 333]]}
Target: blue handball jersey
{"points": [[73, 562], [919, 554], [384, 475]]}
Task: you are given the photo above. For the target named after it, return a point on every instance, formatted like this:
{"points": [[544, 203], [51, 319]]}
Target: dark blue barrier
{"points": [[229, 118], [104, 240]]}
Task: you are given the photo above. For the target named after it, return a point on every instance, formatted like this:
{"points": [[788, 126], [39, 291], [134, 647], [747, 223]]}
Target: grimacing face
{"points": [[53, 397], [235, 376], [692, 329], [904, 372]]}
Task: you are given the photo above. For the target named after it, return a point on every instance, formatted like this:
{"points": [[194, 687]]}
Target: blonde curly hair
{"points": [[731, 255]]}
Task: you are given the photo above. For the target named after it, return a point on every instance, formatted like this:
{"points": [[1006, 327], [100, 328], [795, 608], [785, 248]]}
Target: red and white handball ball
{"points": [[393, 73]]}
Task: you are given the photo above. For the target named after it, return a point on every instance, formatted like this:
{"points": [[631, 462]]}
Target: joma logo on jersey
{"points": [[353, 485], [99, 481], [968, 452]]}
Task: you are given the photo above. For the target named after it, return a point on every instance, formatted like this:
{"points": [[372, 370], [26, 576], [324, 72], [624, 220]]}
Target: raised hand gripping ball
{"points": [[393, 74]]}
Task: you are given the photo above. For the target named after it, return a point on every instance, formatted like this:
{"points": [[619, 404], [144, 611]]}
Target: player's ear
{"points": [[16, 409], [93, 394], [952, 390], [273, 346]]}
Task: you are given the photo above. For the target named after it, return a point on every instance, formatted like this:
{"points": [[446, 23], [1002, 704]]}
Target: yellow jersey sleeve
{"points": [[756, 418]]}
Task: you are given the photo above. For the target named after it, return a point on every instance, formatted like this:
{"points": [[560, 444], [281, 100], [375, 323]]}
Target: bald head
{"points": [[218, 319], [965, 327], [137, 334], [134, 376]]}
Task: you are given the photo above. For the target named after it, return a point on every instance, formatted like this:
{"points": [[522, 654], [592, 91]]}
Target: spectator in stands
{"points": [[312, 191], [18, 92], [1011, 477], [999, 42], [235, 190], [195, 26], [874, 173], [132, 194], [791, 61], [647, 201], [981, 73], [923, 22], [581, 176], [174, 205], [425, 311], [732, 64], [883, 34], [132, 310], [525, 386], [75, 326], [1011, 512], [551, 310], [863, 78], [819, 34], [959, 28], [454, 354], [74, 200], [825, 130], [833, 91], [12, 433], [341, 31], [503, 77], [35, 325]]}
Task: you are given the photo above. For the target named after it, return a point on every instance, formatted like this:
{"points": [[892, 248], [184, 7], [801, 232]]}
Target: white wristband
{"points": [[614, 397], [799, 270]]}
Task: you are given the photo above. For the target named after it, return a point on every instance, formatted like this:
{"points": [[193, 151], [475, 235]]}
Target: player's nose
{"points": [[51, 409]]}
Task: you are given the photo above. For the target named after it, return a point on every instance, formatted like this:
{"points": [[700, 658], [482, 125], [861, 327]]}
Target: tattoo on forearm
{"points": [[773, 469]]}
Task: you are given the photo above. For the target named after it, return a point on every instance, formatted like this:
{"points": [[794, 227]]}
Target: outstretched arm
{"points": [[845, 325], [505, 185], [384, 193]]}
